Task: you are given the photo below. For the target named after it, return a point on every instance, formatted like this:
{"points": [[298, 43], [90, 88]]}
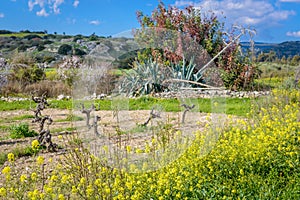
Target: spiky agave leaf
{"points": [[145, 78], [185, 71]]}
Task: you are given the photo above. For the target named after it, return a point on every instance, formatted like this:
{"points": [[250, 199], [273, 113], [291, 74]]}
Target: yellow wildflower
{"points": [[33, 176], [11, 157], [74, 189], [35, 144], [6, 170], [40, 160], [128, 149], [3, 192], [23, 178], [61, 197]]}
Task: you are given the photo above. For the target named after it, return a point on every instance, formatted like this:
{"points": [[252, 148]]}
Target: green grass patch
{"points": [[61, 104], [3, 158], [21, 131], [22, 117], [18, 152], [234, 106], [71, 117], [17, 105], [4, 128], [57, 130]]}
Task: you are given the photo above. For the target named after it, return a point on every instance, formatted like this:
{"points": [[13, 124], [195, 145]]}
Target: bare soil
{"points": [[109, 127]]}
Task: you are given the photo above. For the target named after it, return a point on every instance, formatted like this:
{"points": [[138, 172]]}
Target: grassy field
{"points": [[233, 106], [20, 35]]}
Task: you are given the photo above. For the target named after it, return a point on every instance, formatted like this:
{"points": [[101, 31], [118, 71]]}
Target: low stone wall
{"points": [[12, 99], [179, 94]]}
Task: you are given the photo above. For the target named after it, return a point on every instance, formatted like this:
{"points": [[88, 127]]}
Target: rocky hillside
{"points": [[49, 49]]}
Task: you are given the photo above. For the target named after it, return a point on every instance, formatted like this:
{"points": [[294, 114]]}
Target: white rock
{"points": [[61, 97]]}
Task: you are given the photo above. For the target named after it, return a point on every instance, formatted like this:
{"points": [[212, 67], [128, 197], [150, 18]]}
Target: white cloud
{"points": [[290, 1], [281, 15], [1, 15], [183, 3], [75, 4], [42, 13], [52, 5], [57, 3], [31, 4], [244, 12], [293, 34], [94, 22]]}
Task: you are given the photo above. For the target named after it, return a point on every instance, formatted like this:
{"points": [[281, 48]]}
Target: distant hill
{"points": [[49, 47], [287, 49]]}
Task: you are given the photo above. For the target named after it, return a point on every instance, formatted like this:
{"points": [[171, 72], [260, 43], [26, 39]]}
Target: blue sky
{"points": [[274, 21]]}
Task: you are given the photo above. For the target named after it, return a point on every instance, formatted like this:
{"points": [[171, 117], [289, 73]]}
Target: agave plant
{"points": [[186, 71], [184, 75], [145, 78]]}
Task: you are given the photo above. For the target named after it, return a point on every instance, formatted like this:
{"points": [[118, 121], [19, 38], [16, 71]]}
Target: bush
{"points": [[45, 57], [30, 37], [49, 88], [65, 49], [23, 58], [205, 30], [40, 47], [26, 74], [107, 84], [79, 52], [21, 131], [11, 88]]}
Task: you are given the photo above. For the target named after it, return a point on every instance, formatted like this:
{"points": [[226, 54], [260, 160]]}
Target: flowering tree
{"points": [[208, 32]]}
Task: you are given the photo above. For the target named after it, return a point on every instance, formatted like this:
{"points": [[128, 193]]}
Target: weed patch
{"points": [[21, 131]]}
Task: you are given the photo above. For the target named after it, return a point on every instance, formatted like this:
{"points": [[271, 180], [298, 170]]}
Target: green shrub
{"points": [[26, 74], [26, 151], [65, 49], [21, 131]]}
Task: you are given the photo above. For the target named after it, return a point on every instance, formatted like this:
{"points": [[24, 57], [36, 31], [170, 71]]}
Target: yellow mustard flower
{"points": [[35, 144], [11, 157], [23, 178], [3, 192], [61, 197], [6, 170], [33, 176], [40, 160]]}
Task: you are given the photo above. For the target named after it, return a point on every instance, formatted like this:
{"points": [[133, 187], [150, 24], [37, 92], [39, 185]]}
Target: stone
{"points": [[61, 97]]}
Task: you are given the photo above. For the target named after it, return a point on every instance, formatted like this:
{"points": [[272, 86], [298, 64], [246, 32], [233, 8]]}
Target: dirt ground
{"points": [[109, 127]]}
